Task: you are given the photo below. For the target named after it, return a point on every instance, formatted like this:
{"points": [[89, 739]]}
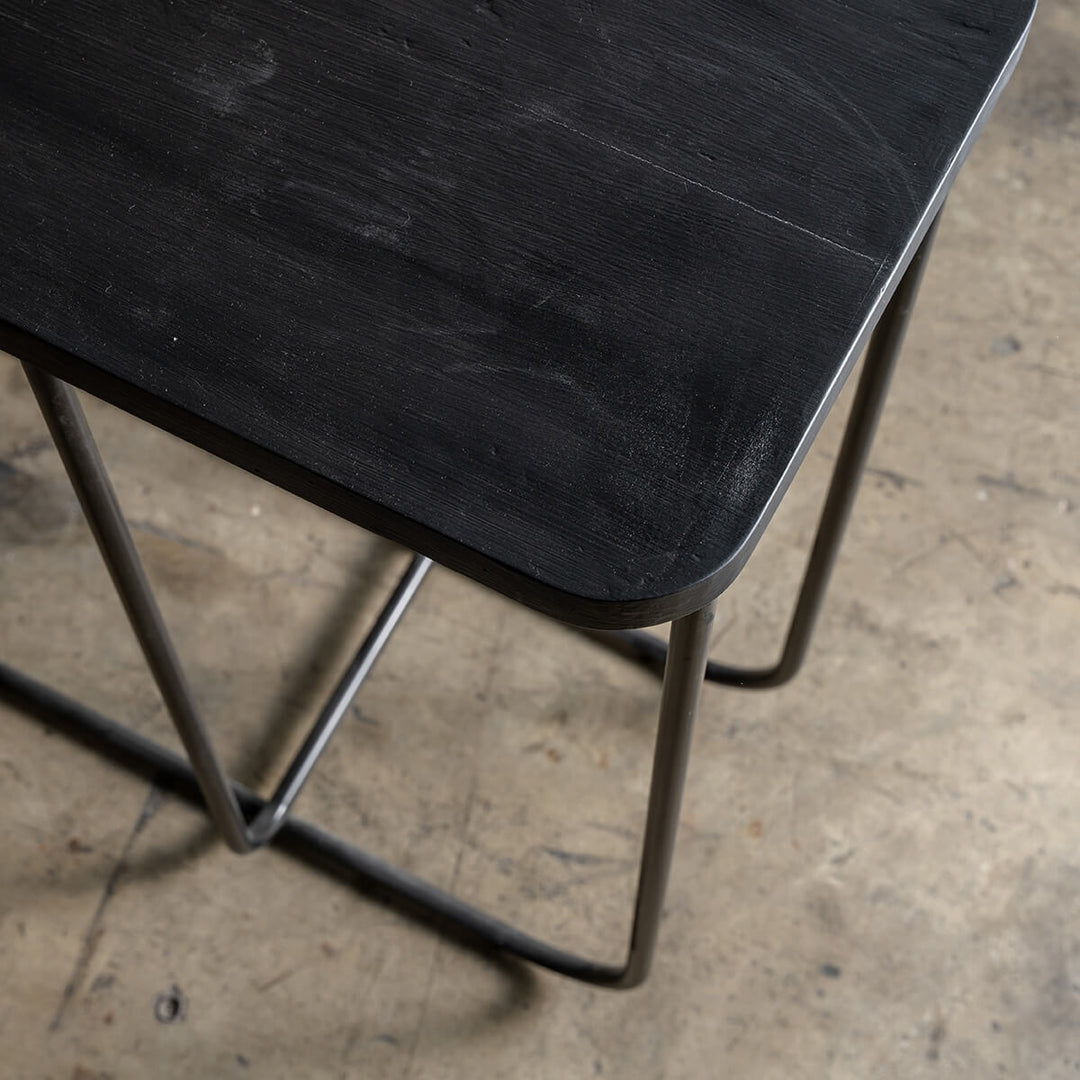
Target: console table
{"points": [[554, 293]]}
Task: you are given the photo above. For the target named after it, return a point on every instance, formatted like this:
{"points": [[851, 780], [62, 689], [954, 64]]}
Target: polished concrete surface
{"points": [[877, 872]]}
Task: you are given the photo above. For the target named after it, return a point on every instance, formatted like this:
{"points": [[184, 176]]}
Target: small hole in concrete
{"points": [[170, 1006]]}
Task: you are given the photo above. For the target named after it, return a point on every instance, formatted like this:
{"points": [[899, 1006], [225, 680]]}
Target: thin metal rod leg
{"points": [[75, 444], [683, 678], [878, 366], [682, 689], [273, 814]]}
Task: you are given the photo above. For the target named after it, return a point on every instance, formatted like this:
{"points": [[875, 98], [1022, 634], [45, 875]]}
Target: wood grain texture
{"points": [[553, 292]]}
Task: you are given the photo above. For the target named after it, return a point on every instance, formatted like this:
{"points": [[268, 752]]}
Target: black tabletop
{"points": [[554, 291]]}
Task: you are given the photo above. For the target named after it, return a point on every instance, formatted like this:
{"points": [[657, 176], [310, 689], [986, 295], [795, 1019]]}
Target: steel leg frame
{"points": [[881, 356], [247, 822], [67, 424]]}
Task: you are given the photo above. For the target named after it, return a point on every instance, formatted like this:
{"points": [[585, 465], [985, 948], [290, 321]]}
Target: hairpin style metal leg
{"points": [[881, 356], [232, 806], [682, 688], [67, 423]]}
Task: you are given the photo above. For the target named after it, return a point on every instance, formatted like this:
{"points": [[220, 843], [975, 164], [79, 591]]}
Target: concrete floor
{"points": [[877, 873]]}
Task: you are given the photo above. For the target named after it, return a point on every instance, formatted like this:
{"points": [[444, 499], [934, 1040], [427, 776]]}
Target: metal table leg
{"points": [[67, 423], [318, 848], [247, 822], [881, 357]]}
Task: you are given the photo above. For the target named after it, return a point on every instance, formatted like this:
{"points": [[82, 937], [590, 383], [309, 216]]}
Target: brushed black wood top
{"points": [[554, 291]]}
